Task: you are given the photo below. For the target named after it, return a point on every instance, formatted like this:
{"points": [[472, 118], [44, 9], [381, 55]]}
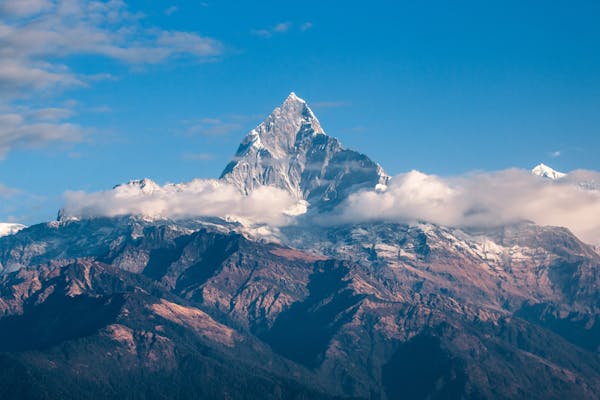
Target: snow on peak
{"points": [[546, 172], [282, 131], [8, 228], [291, 151], [292, 97]]}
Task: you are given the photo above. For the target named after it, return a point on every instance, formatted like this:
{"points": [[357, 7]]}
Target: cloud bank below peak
{"points": [[482, 200], [198, 198]]}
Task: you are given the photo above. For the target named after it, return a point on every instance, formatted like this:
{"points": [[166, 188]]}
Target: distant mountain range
{"points": [[146, 307]]}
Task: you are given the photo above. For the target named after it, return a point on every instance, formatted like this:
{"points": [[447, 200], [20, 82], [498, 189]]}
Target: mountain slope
{"points": [[88, 330], [464, 301]]}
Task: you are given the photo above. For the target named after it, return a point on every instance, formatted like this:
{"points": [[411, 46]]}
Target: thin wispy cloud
{"points": [[329, 104], [51, 114], [214, 127], [555, 154], [18, 205], [108, 29], [198, 156], [6, 192], [19, 77], [36, 128], [306, 26], [281, 28], [99, 109], [171, 10], [220, 126], [24, 8]]}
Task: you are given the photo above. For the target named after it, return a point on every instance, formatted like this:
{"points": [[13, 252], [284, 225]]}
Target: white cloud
{"points": [[37, 37], [99, 109], [306, 26], [171, 10], [15, 201], [198, 156], [219, 126], [483, 199], [281, 27], [193, 199], [51, 114], [472, 200], [6, 192], [62, 28], [19, 77], [328, 104], [35, 128], [24, 8]]}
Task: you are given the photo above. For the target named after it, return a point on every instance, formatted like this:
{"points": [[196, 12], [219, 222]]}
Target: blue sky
{"points": [[97, 93]]}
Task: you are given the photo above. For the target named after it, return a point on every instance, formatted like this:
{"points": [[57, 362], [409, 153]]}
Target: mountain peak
{"points": [[292, 97], [547, 172], [290, 150], [282, 129]]}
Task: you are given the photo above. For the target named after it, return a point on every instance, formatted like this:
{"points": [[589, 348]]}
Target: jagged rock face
{"points": [[290, 150]]}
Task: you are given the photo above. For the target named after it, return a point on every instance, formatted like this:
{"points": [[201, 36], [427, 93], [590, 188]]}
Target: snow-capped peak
{"points": [[292, 97], [546, 172], [282, 130], [291, 151]]}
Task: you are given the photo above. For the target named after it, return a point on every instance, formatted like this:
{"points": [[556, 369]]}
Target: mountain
{"points": [[87, 330], [290, 150], [546, 172], [360, 311], [126, 306], [7, 228]]}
